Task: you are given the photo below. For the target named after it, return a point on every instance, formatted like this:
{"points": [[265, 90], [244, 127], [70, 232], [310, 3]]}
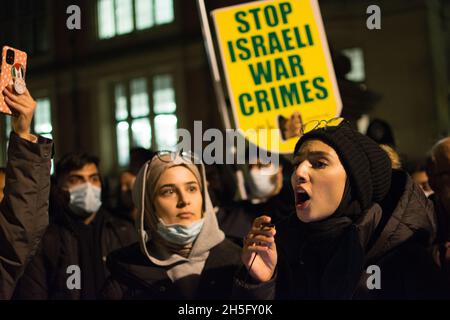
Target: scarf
{"points": [[335, 248]]}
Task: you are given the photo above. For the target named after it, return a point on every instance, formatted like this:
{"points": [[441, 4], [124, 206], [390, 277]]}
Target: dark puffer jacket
{"points": [[135, 277], [24, 209], [400, 245], [46, 275]]}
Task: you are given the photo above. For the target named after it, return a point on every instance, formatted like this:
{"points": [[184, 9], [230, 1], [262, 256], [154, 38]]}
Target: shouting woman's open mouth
{"points": [[302, 198]]}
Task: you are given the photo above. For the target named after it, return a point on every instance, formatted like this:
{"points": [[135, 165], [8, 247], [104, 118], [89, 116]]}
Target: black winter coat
{"points": [[46, 276], [24, 209], [133, 276], [399, 244]]}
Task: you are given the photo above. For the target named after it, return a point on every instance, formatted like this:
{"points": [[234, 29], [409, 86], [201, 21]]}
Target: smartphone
{"points": [[13, 68]]}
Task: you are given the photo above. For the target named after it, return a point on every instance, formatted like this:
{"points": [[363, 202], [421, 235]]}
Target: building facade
{"points": [[137, 70]]}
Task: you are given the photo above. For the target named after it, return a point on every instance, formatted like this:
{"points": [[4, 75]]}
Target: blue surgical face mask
{"points": [[178, 233], [85, 199]]}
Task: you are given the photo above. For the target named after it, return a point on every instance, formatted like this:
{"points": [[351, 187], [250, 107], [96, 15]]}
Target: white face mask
{"points": [[428, 193], [263, 181], [85, 199], [178, 233]]}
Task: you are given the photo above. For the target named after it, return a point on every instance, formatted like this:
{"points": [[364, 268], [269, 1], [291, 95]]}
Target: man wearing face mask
{"points": [[264, 181], [267, 193], [82, 233]]}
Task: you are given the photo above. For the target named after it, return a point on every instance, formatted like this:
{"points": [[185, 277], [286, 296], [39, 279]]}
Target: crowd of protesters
{"points": [[309, 228]]}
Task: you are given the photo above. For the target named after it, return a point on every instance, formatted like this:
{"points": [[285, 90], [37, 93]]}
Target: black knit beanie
{"points": [[367, 165]]}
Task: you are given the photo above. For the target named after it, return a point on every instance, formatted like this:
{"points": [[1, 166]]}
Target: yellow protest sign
{"points": [[278, 69]]}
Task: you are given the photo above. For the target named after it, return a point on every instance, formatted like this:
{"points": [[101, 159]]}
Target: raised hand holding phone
{"points": [[259, 254]]}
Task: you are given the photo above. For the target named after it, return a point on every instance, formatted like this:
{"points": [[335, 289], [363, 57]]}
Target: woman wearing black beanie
{"points": [[361, 229]]}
